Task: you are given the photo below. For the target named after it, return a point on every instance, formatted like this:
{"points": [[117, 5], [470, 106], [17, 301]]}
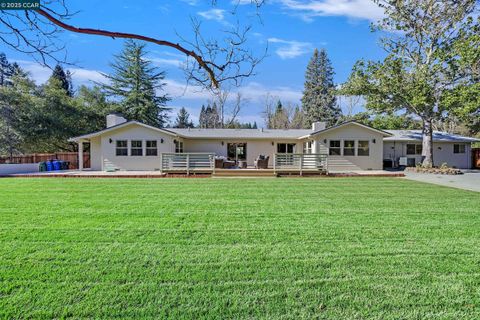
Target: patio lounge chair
{"points": [[261, 162]]}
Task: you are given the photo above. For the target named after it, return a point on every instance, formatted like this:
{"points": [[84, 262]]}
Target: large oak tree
{"points": [[430, 67]]}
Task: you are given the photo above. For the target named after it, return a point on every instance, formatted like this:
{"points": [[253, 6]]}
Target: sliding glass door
{"points": [[237, 151]]}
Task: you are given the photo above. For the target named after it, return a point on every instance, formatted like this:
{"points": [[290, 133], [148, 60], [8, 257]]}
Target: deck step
{"points": [[243, 173]]}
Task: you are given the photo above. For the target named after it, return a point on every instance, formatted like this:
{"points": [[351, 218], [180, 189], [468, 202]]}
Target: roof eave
{"points": [[118, 126]]}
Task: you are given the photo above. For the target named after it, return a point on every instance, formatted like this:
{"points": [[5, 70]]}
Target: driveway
{"points": [[470, 180]]}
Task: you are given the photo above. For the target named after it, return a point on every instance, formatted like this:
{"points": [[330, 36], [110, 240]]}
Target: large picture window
{"points": [[348, 147], [285, 147], [334, 148], [363, 148], [152, 148], [121, 148], [136, 148], [458, 148], [414, 149]]}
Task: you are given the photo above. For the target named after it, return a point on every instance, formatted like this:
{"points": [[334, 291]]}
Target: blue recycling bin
{"points": [[49, 165], [57, 165]]}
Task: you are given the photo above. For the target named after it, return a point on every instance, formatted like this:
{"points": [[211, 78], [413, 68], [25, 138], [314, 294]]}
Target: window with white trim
{"points": [[458, 148], [178, 146], [363, 148], [121, 148], [308, 147], [151, 148], [285, 147], [349, 147], [414, 149], [334, 148], [136, 148]]}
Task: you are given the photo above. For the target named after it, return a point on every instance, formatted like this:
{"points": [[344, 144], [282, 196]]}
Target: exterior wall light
{"points": [[223, 143], [110, 140], [161, 140], [374, 141]]}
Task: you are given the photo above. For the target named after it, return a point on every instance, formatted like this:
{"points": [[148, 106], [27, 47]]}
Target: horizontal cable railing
{"points": [[187, 162], [300, 162]]}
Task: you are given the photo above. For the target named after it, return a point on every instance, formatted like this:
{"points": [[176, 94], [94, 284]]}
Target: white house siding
{"points": [[442, 153], [254, 147], [148, 163], [354, 132]]}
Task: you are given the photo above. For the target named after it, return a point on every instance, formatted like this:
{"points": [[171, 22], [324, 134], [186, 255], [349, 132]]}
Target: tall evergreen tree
{"points": [[6, 70], [183, 119], [298, 119], [279, 118], [202, 118], [319, 101], [215, 121], [137, 84], [65, 79]]}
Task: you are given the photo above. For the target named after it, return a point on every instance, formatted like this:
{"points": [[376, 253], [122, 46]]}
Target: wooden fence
{"points": [[71, 157]]}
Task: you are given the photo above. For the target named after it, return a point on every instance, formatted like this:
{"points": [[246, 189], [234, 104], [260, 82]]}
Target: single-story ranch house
{"points": [[131, 145]]}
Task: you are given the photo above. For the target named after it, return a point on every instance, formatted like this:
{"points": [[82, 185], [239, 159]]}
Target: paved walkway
{"points": [[470, 180]]}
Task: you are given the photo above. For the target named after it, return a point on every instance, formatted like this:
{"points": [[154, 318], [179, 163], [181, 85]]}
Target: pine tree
{"points": [[183, 119], [319, 101], [255, 125], [137, 84], [298, 119], [6, 71], [280, 117], [215, 117], [202, 118], [65, 79]]}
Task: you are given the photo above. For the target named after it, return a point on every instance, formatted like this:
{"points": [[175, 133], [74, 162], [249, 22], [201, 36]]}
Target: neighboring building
{"points": [[131, 145]]}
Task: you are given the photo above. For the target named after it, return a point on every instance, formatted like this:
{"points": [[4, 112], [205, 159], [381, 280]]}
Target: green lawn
{"points": [[381, 248]]}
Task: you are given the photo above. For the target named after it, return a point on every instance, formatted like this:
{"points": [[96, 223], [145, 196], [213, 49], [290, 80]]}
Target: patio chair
{"points": [[261, 162], [219, 162]]}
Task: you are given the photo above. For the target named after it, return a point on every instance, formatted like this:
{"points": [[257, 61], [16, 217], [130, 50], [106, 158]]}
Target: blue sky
{"points": [[291, 28]]}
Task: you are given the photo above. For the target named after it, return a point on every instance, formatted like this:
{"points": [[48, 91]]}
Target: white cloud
{"points": [[256, 93], [191, 2], [180, 90], [170, 62], [213, 14], [41, 74], [357, 9], [289, 49]]}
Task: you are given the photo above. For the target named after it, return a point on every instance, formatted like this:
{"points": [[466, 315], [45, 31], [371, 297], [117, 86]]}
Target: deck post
{"points": [[212, 163], [161, 162], [274, 163], [80, 155], [301, 164], [188, 164]]}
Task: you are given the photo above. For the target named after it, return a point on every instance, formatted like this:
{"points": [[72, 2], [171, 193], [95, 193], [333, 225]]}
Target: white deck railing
{"points": [[300, 162], [187, 162]]}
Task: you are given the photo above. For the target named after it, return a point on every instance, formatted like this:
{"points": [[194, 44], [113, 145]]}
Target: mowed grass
{"points": [[338, 248]]}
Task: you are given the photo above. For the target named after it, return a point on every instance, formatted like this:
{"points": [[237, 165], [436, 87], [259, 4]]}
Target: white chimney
{"points": [[318, 126], [114, 119]]}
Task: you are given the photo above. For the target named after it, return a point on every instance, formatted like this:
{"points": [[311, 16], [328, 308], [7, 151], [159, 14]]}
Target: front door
{"points": [[237, 151]]}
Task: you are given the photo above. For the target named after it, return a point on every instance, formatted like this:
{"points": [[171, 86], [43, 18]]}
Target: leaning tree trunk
{"points": [[427, 143]]}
